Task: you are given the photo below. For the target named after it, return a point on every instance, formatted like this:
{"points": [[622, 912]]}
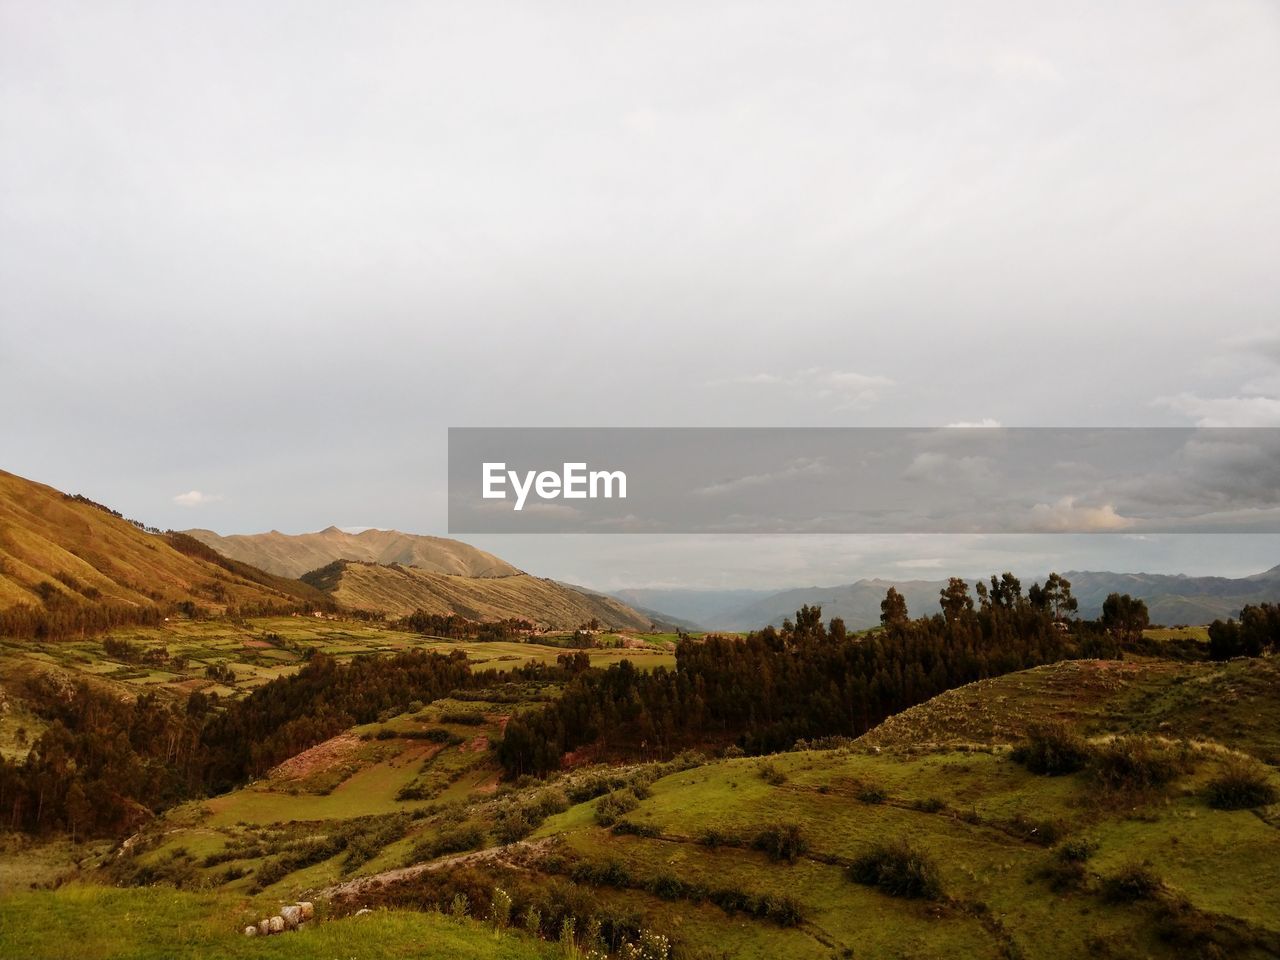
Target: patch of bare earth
{"points": [[320, 757]]}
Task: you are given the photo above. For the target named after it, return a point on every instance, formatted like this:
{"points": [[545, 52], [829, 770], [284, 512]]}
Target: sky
{"points": [[256, 259]]}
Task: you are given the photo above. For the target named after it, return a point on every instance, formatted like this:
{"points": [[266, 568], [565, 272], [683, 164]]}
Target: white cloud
{"points": [[939, 467], [194, 498], [1250, 411], [800, 467], [988, 423], [1065, 516]]}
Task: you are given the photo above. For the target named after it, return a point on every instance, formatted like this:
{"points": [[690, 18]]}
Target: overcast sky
{"points": [[256, 258]]}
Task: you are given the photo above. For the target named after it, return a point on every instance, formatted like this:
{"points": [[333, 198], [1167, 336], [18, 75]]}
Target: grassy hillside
{"points": [[63, 558], [766, 857], [294, 555], [163, 924], [399, 591]]}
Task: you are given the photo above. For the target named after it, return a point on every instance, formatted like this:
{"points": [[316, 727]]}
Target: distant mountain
{"points": [[399, 590], [1170, 599], [74, 564], [694, 608], [292, 555]]}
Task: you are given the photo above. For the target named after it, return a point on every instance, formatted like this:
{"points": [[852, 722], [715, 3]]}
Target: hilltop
{"points": [[65, 560], [292, 555], [398, 590]]}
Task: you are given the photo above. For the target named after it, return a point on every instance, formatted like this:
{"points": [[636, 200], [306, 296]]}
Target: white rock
{"points": [[251, 931], [277, 924]]}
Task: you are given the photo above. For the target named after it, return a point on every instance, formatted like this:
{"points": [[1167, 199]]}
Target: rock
{"points": [[264, 927], [251, 931], [308, 909], [362, 911], [292, 916], [277, 924]]}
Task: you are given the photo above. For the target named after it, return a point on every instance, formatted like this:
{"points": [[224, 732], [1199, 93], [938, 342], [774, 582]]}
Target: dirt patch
{"points": [[322, 755], [478, 745]]}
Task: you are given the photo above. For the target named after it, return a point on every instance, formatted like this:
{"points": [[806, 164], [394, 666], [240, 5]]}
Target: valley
{"points": [[449, 764]]}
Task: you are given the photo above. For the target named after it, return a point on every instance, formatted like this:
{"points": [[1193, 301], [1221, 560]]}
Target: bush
{"points": [[457, 840], [1134, 881], [613, 806], [1242, 784], [635, 828], [1077, 850], [898, 870], [771, 775], [1051, 749], [872, 793], [781, 841], [1137, 763]]}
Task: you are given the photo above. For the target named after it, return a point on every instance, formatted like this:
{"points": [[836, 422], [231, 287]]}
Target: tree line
{"points": [[805, 680]]}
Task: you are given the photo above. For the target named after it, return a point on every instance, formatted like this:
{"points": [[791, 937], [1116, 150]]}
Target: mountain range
{"points": [[1171, 599]]}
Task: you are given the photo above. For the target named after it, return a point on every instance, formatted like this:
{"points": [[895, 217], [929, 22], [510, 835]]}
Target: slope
{"points": [[67, 561], [399, 590], [294, 555]]}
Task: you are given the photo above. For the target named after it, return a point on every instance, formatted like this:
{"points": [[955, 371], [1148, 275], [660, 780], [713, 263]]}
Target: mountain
{"points": [[292, 555], [398, 590], [1171, 599], [693, 608], [67, 563]]}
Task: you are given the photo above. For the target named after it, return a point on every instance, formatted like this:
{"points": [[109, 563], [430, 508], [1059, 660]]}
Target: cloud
{"points": [[986, 423], [1240, 411], [194, 498], [923, 563], [800, 467], [1065, 516], [844, 389], [938, 467]]}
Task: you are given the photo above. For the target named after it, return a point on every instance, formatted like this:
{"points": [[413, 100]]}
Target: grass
{"points": [[162, 924]]}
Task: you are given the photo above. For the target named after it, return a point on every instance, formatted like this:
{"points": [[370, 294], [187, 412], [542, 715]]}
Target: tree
{"points": [[954, 599], [1057, 596], [1125, 616], [1007, 591], [893, 608]]}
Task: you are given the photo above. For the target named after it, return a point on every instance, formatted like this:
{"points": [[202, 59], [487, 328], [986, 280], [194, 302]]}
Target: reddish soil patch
{"points": [[322, 755], [478, 745], [257, 643]]}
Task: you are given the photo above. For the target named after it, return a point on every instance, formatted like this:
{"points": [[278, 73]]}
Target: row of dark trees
{"points": [[1256, 632], [808, 680], [457, 627]]}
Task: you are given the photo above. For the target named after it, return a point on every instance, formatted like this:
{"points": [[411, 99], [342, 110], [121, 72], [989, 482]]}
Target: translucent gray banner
{"points": [[864, 480]]}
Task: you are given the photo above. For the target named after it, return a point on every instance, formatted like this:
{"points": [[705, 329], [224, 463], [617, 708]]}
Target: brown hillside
{"points": [[293, 555], [399, 590], [69, 562]]}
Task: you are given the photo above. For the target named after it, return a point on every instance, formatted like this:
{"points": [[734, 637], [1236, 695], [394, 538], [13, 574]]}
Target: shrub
{"points": [[457, 840], [635, 828], [781, 841], [872, 793], [1051, 749], [771, 775], [1240, 785], [1077, 850], [614, 805], [898, 870], [1137, 763], [1134, 881], [714, 837]]}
